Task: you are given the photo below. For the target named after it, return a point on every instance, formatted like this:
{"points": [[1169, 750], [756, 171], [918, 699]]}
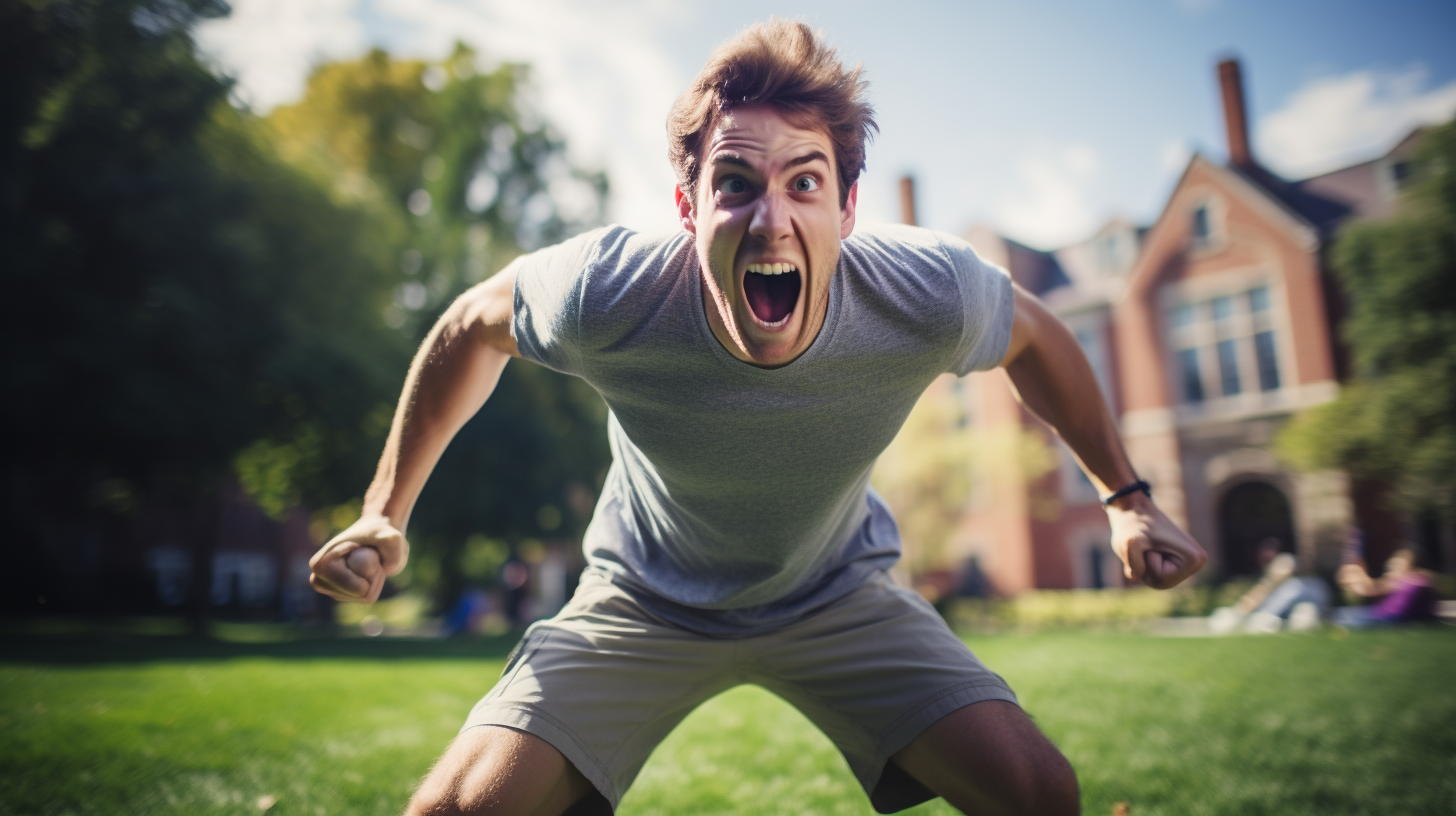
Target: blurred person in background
{"points": [[1279, 598], [1403, 593], [755, 363]]}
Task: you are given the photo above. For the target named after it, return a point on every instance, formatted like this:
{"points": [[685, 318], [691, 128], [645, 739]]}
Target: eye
{"points": [[732, 185], [806, 184]]}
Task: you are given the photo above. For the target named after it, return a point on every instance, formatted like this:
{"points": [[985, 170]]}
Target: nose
{"points": [[770, 217]]}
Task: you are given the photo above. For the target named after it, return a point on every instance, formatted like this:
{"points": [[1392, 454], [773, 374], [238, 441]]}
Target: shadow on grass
{"points": [[95, 642]]}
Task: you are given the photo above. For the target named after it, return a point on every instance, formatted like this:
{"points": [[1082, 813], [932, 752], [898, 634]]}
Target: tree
{"points": [[462, 179], [177, 295], [197, 295], [936, 463], [1396, 419]]}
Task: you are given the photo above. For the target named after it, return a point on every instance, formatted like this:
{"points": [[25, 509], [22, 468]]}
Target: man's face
{"points": [[768, 225]]}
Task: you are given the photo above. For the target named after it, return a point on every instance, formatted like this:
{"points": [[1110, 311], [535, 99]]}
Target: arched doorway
{"points": [[1249, 514]]}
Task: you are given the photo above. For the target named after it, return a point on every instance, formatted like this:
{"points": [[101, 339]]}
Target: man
{"points": [[755, 365]]}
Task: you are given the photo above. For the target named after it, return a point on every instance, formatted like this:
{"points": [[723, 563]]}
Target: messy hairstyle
{"points": [[786, 65]]}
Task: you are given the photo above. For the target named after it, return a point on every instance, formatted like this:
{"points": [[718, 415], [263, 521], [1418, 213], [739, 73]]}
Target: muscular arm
{"points": [[1053, 379], [453, 373]]}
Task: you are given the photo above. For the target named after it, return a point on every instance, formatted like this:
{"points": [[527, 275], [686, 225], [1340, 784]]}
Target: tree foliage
{"points": [[198, 294], [462, 178], [176, 291], [936, 464], [1396, 420]]}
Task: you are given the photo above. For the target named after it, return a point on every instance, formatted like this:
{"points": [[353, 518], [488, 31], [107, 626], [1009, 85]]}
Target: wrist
{"points": [[388, 510], [1136, 494]]}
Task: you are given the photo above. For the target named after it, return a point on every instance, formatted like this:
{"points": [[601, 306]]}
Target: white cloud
{"points": [[598, 71], [1173, 156], [1335, 121], [1053, 206], [271, 45]]}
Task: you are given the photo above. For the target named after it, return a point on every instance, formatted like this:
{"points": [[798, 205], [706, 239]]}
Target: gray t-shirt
{"points": [[738, 499]]}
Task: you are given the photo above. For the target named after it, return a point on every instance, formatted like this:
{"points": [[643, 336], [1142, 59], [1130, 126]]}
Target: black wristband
{"points": [[1127, 490]]}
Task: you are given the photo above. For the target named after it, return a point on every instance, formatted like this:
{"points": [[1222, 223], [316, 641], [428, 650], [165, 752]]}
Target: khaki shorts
{"points": [[604, 682]]}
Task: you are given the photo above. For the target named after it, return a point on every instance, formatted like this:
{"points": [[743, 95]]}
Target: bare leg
{"points": [[495, 770], [989, 758]]}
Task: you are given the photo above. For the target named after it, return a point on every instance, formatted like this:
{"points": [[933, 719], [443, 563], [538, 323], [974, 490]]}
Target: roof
{"points": [[1035, 270], [1324, 213], [1368, 189]]}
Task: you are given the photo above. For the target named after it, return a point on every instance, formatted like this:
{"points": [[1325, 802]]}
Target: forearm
{"points": [[1053, 379], [454, 372], [1055, 382]]}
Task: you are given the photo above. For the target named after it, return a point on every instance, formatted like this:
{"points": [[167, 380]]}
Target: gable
{"points": [[1228, 198]]}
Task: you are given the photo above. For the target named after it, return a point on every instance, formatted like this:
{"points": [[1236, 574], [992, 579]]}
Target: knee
{"points": [[1044, 787], [489, 771], [1045, 784], [439, 796], [991, 759], [432, 799], [1057, 792]]}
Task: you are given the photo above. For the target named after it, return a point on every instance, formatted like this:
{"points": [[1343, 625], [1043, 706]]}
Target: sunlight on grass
{"points": [[1273, 725]]}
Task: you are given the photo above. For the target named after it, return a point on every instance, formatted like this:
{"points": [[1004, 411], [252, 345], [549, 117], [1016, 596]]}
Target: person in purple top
{"points": [[1404, 592]]}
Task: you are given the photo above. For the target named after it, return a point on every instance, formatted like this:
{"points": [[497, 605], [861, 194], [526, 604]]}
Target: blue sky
{"points": [[1042, 119]]}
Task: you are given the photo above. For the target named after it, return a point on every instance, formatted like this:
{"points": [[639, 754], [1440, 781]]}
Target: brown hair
{"points": [[785, 64]]}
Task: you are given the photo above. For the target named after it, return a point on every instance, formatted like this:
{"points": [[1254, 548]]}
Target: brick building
{"points": [[1207, 330]]}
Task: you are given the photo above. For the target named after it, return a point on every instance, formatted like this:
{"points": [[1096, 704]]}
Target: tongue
{"points": [[771, 297]]}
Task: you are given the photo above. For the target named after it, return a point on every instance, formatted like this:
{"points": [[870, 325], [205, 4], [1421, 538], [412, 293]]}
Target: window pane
{"points": [[1200, 226], [1223, 308], [1258, 300], [1268, 361], [1183, 315], [1228, 367], [1192, 380]]}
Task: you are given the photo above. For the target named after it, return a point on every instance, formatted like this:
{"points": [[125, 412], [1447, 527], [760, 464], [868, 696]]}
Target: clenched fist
{"points": [[1153, 549], [352, 566]]}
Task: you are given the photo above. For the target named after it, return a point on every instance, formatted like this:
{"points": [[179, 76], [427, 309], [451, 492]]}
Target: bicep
{"points": [[1029, 318], [490, 309]]}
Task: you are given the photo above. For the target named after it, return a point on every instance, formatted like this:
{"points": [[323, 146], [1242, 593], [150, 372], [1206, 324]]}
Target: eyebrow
{"points": [[732, 158], [817, 155], [726, 157]]}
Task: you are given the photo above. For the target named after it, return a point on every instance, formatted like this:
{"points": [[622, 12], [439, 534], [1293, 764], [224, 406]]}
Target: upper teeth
{"points": [[772, 268]]}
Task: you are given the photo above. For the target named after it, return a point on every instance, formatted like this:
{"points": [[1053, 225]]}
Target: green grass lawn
{"points": [[1329, 723]]}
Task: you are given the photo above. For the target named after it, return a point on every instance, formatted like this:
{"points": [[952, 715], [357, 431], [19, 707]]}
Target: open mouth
{"points": [[772, 290]]}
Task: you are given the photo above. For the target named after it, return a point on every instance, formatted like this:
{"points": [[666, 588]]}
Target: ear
{"points": [[846, 215], [685, 211]]}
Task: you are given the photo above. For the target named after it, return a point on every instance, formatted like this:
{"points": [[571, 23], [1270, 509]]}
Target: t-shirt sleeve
{"points": [[988, 307], [548, 297]]}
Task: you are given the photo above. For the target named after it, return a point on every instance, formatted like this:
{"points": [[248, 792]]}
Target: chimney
{"points": [[1231, 81], [907, 200]]}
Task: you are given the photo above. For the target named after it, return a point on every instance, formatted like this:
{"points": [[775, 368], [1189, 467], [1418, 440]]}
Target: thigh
{"points": [[603, 683], [492, 770], [990, 758], [873, 671]]}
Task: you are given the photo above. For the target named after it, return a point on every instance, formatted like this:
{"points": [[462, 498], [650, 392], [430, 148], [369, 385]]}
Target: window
{"points": [[1228, 367], [1268, 365], [1259, 300], [1266, 355], [1223, 346], [1223, 309], [1202, 226], [1192, 378], [1400, 173]]}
